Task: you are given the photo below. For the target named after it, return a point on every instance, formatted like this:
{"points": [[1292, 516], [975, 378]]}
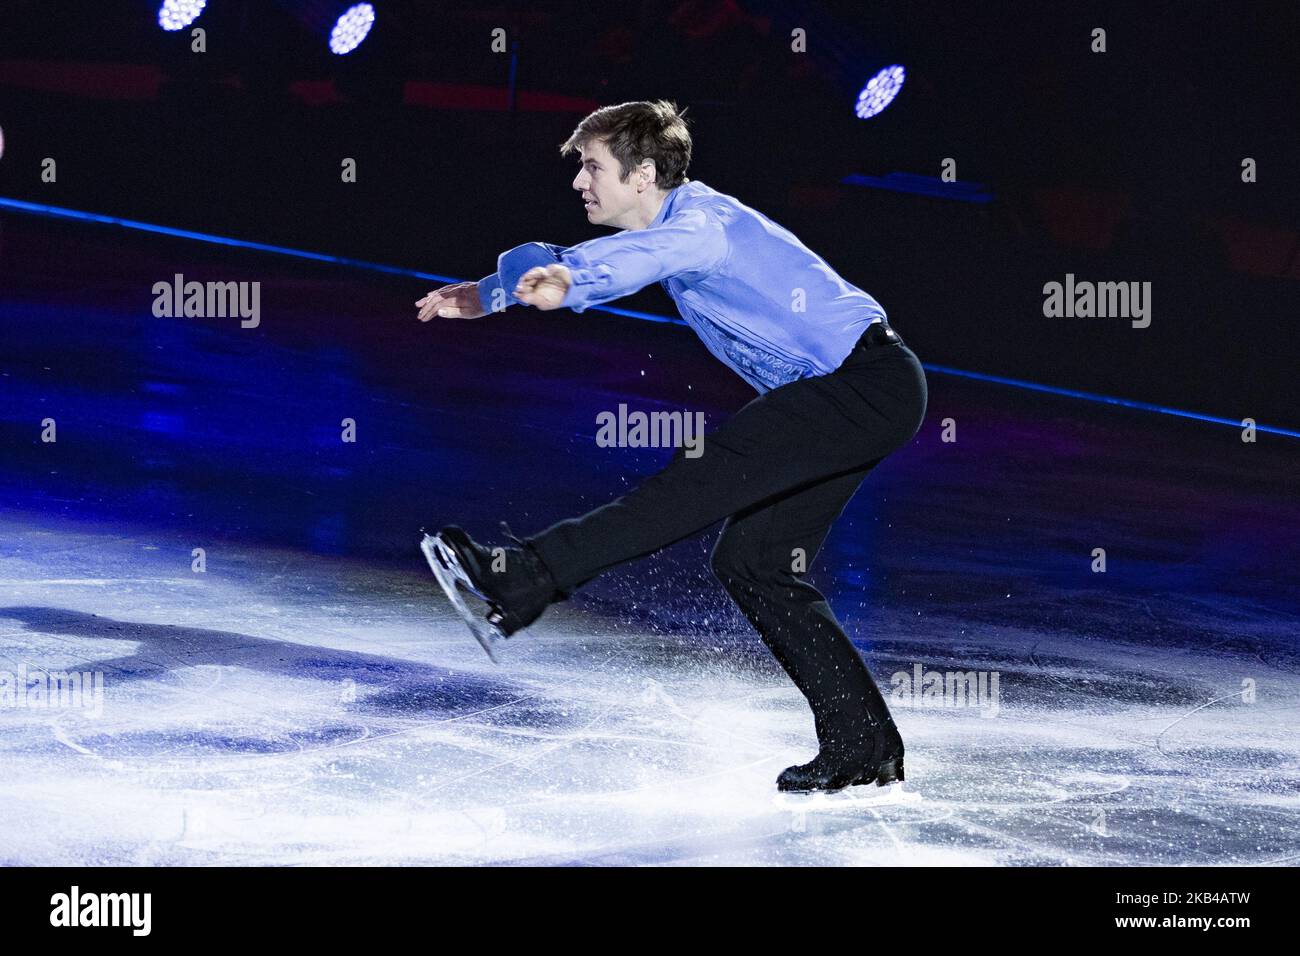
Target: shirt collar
{"points": [[666, 208]]}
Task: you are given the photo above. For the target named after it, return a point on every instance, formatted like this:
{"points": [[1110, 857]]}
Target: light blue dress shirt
{"points": [[763, 303]]}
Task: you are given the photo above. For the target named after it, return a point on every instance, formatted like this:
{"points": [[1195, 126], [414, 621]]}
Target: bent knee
{"points": [[728, 563], [739, 569], [723, 563]]}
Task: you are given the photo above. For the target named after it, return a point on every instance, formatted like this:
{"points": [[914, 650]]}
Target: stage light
{"points": [[879, 91], [2, 143], [351, 28], [341, 25], [178, 14]]}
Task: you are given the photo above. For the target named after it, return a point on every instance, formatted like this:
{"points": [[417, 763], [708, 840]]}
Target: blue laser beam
{"points": [[59, 212]]}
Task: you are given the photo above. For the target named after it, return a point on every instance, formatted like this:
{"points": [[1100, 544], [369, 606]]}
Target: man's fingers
{"points": [[459, 301], [443, 312], [530, 278], [535, 285], [431, 305], [541, 274]]}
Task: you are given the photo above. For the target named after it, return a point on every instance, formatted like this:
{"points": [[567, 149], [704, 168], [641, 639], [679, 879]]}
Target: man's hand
{"points": [[544, 286], [458, 301]]}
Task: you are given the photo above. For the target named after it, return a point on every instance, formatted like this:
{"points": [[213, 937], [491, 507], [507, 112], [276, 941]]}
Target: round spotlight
{"points": [[2, 143], [178, 14], [879, 91], [351, 28]]}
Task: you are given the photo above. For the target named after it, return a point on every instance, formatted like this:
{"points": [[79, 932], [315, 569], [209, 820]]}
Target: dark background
{"points": [[1122, 166]]}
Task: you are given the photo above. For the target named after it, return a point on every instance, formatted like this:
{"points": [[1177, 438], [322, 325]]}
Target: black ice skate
{"points": [[513, 581], [835, 768]]}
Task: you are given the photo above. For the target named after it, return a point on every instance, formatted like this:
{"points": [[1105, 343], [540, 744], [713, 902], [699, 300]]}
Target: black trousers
{"points": [[780, 472]]}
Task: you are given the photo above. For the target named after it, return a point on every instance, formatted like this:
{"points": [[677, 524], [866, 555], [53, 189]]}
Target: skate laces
{"points": [[532, 554]]}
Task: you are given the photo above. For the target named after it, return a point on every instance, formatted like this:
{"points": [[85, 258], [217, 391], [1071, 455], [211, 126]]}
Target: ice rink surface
{"points": [[308, 698], [289, 710]]}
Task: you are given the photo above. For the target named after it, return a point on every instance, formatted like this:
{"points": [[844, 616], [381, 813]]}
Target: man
{"points": [[838, 392]]}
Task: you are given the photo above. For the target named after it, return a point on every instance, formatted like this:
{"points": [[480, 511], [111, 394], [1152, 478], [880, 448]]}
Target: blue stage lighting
{"points": [[351, 28], [879, 91], [58, 212], [178, 14]]}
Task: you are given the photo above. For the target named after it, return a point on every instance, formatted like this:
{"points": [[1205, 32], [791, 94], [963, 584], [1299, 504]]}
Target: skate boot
{"points": [[878, 760], [513, 581]]}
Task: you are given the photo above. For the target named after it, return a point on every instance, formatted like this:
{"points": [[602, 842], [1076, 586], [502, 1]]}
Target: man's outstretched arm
{"points": [[611, 267], [599, 270], [494, 293]]}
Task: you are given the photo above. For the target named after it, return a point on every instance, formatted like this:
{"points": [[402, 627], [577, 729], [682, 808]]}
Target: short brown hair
{"points": [[635, 132]]}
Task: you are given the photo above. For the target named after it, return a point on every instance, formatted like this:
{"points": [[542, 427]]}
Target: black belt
{"points": [[878, 334]]}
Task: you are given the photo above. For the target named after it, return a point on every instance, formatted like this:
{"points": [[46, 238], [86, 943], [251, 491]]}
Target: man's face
{"points": [[615, 201]]}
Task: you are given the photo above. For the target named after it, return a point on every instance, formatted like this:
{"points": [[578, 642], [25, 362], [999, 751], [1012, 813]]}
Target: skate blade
{"points": [[451, 578], [855, 797]]}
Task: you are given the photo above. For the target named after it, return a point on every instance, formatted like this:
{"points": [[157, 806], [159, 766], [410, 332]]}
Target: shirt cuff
{"points": [[487, 287], [584, 285]]}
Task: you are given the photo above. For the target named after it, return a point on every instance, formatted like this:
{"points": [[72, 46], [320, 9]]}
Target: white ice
{"points": [[289, 708]]}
